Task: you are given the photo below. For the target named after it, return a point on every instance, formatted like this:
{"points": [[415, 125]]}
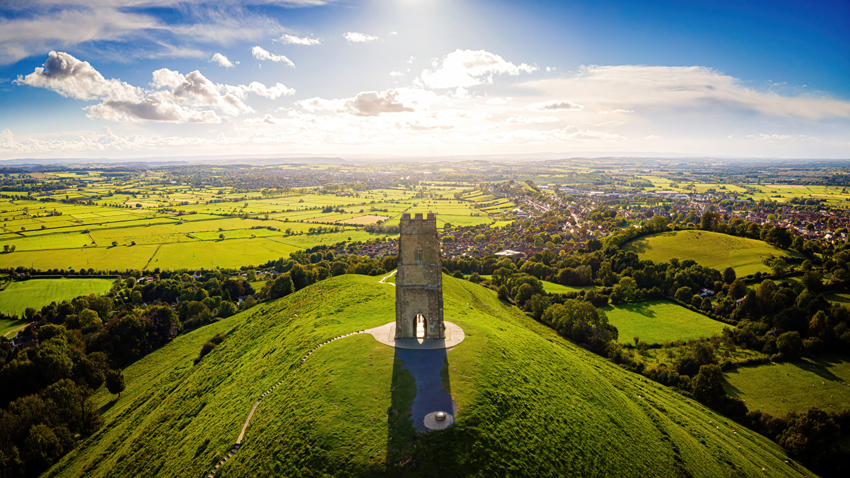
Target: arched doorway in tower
{"points": [[421, 326]]}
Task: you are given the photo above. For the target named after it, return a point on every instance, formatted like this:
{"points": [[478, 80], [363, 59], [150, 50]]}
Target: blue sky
{"points": [[143, 78]]}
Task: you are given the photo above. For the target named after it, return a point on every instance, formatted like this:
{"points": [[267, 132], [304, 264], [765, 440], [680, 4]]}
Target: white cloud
{"points": [[555, 105], [681, 89], [153, 108], [533, 119], [97, 25], [354, 37], [287, 39], [465, 68], [372, 103], [616, 111], [77, 79], [27, 35], [774, 137], [273, 92], [262, 54], [498, 101], [551, 68], [396, 73], [177, 98], [418, 125], [223, 61], [573, 133], [392, 34], [265, 120], [652, 137], [320, 104], [460, 93], [367, 103]]}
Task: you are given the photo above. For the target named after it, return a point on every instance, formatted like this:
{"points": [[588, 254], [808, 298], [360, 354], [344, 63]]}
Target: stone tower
{"points": [[419, 281]]}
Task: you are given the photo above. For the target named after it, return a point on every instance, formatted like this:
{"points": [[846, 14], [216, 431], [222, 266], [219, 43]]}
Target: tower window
{"points": [[418, 255]]}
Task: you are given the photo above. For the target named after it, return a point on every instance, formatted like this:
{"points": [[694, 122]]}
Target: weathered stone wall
{"points": [[419, 280]]}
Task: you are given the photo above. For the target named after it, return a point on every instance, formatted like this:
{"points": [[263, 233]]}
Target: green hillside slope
{"points": [[710, 249], [530, 403]]}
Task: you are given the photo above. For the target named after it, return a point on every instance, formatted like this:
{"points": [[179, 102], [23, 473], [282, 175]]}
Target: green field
{"points": [[179, 227], [779, 388], [659, 321], [40, 292], [838, 298], [710, 249], [530, 403], [554, 288]]}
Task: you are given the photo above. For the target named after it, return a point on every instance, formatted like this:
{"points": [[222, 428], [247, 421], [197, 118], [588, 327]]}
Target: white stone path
{"points": [[376, 333], [387, 277], [259, 400]]}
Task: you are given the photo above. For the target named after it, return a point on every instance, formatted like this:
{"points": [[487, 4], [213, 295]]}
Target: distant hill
{"points": [[531, 403], [709, 249]]}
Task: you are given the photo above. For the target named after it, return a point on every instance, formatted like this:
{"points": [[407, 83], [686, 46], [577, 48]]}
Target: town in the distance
{"points": [[324, 317]]}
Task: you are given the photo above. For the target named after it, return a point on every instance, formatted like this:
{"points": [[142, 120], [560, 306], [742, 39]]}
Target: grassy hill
{"points": [[530, 403], [710, 249], [658, 321]]}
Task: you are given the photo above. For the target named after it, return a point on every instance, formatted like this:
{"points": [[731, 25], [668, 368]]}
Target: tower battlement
{"points": [[418, 224]]}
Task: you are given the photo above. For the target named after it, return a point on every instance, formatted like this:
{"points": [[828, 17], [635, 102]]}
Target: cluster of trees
{"points": [[575, 318], [317, 264], [83, 344], [382, 228], [46, 406]]}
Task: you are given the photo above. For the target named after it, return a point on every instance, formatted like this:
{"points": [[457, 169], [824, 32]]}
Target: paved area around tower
{"points": [[385, 334]]}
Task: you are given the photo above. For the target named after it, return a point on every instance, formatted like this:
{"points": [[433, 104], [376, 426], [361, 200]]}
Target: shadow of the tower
{"points": [[420, 385]]}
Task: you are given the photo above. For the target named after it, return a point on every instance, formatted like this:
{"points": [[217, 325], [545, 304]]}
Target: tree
{"points": [[790, 345], [221, 236], [115, 382], [226, 309], [729, 275], [29, 312], [523, 294], [708, 221], [580, 321], [537, 305], [624, 291], [388, 263], [163, 324], [810, 437], [281, 287], [607, 275], [684, 294], [338, 269], [89, 319], [777, 265], [708, 384], [811, 280], [594, 245], [114, 243], [737, 289], [41, 448]]}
